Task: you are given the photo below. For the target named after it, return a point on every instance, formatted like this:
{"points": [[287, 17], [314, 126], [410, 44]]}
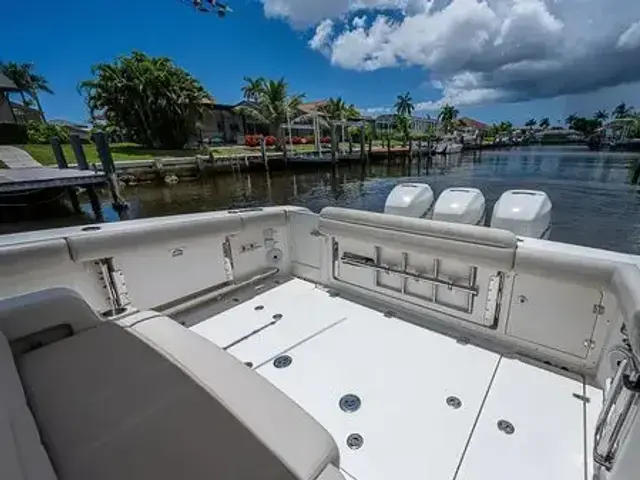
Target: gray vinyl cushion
{"points": [[22, 456], [110, 406], [478, 245], [304, 446], [445, 230], [331, 473], [37, 311]]}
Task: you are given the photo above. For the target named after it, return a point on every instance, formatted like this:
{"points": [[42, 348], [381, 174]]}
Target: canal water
{"points": [[594, 203]]}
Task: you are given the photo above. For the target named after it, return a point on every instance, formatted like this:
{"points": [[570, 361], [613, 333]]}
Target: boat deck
{"points": [[430, 407]]}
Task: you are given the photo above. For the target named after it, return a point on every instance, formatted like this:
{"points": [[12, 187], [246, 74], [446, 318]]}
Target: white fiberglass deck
{"points": [[403, 375]]}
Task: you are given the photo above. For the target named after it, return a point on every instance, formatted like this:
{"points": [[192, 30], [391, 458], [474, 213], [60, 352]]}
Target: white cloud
{"points": [[481, 50], [359, 22], [630, 38], [322, 36]]}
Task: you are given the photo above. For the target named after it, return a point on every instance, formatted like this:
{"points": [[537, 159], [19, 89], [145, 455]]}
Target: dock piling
{"points": [[62, 164], [83, 164], [333, 144], [362, 144], [108, 165]]}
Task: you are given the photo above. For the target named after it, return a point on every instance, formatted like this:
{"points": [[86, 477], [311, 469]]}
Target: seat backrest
{"points": [[22, 456]]}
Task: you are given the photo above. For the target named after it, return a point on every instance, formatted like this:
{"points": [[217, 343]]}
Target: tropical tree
{"points": [[544, 123], [447, 117], [570, 120], [586, 126], [152, 101], [252, 87], [353, 112], [622, 111], [336, 109], [402, 125], [24, 77], [601, 115], [531, 123], [272, 107], [404, 105]]}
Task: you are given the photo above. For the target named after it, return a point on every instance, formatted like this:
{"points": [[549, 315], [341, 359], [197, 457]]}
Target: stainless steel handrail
{"points": [[605, 457], [357, 261]]}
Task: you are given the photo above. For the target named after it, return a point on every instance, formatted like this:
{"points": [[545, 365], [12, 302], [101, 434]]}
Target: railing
{"points": [[619, 403]]}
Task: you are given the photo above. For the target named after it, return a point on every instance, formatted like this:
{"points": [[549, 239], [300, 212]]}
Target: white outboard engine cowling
{"points": [[460, 205], [523, 212], [410, 200]]}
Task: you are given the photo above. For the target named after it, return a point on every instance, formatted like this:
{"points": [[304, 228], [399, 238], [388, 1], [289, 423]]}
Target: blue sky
{"points": [[495, 59]]}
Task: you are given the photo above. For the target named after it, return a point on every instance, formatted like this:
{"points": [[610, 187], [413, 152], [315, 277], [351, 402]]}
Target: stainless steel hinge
{"points": [[494, 299]]}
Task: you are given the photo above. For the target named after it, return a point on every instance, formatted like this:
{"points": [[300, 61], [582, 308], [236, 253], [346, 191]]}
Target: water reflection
{"points": [[594, 203]]}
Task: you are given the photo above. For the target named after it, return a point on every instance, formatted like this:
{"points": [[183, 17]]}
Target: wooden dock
{"points": [[25, 179]]}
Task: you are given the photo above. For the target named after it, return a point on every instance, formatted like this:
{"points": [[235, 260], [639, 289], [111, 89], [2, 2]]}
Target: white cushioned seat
{"points": [[22, 456]]}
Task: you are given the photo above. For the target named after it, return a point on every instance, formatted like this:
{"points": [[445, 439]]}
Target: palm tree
{"points": [[601, 115], [404, 105], [622, 111], [571, 119], [531, 123], [352, 112], [336, 109], [402, 125], [26, 79], [272, 107], [447, 116], [252, 87], [544, 123]]}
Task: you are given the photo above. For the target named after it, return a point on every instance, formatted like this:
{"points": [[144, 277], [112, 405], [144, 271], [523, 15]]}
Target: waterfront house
{"points": [[11, 111], [419, 125]]}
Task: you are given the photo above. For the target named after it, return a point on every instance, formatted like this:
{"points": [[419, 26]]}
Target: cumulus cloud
{"points": [[322, 36], [359, 22], [481, 51]]}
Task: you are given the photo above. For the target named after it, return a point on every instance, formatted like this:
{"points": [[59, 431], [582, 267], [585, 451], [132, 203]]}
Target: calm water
{"points": [[593, 202]]}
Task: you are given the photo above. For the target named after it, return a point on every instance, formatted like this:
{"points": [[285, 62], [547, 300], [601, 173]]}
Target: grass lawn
{"points": [[120, 151], [131, 151]]}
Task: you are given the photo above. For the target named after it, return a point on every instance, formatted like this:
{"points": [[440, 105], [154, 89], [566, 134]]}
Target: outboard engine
{"points": [[523, 212], [460, 205], [410, 200]]}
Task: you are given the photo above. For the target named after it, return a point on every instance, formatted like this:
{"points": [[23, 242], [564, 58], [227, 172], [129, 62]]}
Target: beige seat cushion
{"points": [[110, 407], [22, 456]]}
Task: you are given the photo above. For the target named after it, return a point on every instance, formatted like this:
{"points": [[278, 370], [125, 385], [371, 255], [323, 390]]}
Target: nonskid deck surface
{"points": [[429, 406]]}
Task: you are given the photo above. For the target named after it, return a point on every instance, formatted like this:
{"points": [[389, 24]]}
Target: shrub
{"points": [[40, 132], [270, 141], [325, 140], [299, 141], [13, 134], [252, 140]]}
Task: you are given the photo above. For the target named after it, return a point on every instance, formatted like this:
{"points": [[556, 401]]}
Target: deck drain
{"points": [[454, 402], [283, 361], [506, 427], [350, 403], [277, 316], [355, 441], [258, 307]]}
